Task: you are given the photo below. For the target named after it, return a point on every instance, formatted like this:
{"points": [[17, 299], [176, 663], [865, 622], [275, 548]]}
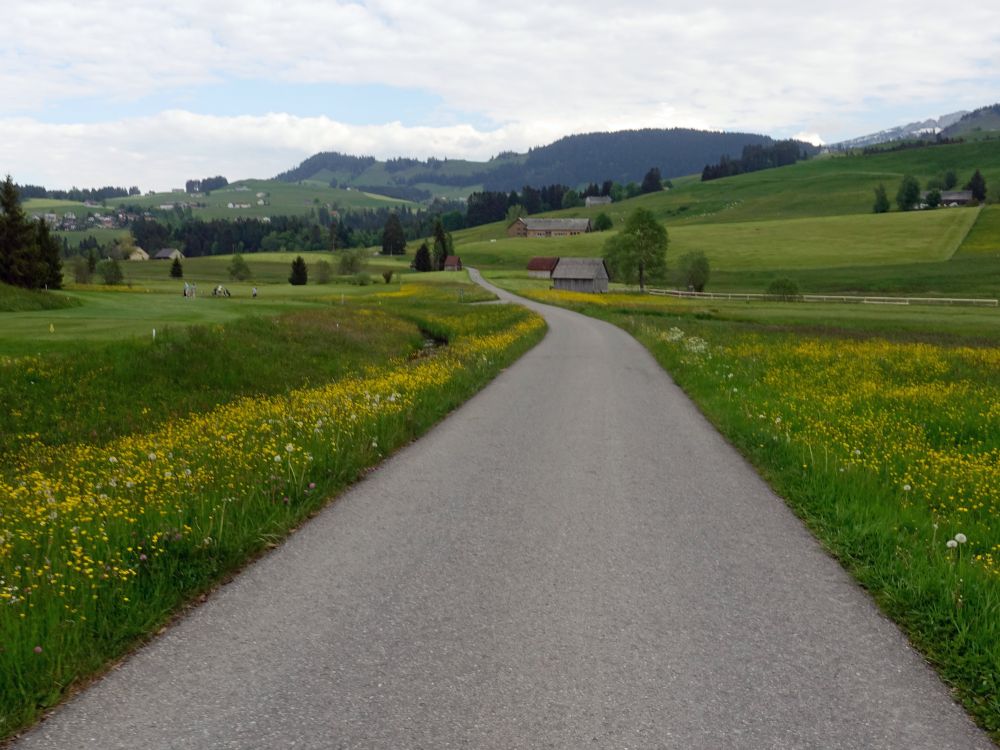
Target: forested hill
{"points": [[624, 156]]}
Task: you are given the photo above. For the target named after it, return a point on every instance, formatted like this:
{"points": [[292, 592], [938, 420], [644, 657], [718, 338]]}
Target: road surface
{"points": [[573, 559]]}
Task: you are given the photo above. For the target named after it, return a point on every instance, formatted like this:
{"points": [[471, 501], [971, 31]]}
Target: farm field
{"points": [[135, 472], [282, 199], [791, 244], [880, 427]]}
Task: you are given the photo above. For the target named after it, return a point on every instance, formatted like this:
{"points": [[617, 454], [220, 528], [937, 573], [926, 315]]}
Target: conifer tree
{"points": [[422, 260], [176, 269], [393, 238], [300, 274]]}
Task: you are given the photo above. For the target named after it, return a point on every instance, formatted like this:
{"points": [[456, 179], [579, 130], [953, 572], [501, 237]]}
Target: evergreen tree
{"points": [[300, 274], [176, 269], [881, 200], [978, 186], [49, 257], [652, 181], [442, 245], [29, 255], [393, 238], [422, 260]]}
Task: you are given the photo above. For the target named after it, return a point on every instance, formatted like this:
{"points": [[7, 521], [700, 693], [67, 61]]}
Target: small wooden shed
{"points": [[581, 275], [169, 253], [138, 254], [452, 263], [541, 267]]}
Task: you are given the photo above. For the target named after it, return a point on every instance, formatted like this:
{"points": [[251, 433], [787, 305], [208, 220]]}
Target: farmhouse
{"points": [[956, 197], [452, 263], [597, 200], [581, 275], [542, 268], [138, 254], [528, 227], [168, 253]]}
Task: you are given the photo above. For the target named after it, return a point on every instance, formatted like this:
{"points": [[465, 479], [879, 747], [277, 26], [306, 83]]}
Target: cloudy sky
{"points": [[153, 93]]}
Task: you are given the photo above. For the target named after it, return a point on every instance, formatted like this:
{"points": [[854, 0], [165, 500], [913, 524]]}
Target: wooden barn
{"points": [[581, 275], [542, 268], [452, 263], [169, 253], [529, 227], [138, 254]]}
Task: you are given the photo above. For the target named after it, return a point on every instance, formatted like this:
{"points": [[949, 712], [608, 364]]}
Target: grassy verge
{"points": [[101, 542], [888, 449], [15, 299]]}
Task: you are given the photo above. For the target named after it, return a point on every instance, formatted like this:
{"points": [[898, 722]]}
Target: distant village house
{"points": [[138, 254], [529, 227], [452, 263], [597, 200]]}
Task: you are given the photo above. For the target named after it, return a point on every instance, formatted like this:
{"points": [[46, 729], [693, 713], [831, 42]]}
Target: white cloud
{"points": [[163, 151], [535, 70]]}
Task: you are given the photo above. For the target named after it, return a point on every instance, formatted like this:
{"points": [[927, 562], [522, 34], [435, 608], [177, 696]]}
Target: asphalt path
{"points": [[574, 559]]}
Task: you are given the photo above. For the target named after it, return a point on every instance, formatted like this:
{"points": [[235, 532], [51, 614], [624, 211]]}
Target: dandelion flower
{"points": [[290, 448], [961, 538], [951, 544]]}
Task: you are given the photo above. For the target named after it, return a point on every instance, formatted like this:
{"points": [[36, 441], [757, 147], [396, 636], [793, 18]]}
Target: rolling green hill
{"points": [[575, 160], [812, 221], [257, 198]]}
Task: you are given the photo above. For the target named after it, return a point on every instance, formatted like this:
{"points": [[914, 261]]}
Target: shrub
{"points": [[300, 274], [361, 279], [387, 275], [111, 272], [322, 272], [694, 269], [602, 222], [784, 288]]}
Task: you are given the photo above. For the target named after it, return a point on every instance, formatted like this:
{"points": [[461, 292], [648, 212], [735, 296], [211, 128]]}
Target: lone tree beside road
{"points": [[639, 250]]}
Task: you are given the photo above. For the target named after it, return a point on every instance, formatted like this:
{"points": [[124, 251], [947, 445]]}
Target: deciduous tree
{"points": [[908, 195], [695, 270], [639, 251]]}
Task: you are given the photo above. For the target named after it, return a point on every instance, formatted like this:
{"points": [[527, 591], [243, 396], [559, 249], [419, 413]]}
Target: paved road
{"points": [[574, 559]]}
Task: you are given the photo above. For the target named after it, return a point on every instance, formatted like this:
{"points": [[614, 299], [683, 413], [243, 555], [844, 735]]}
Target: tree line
{"points": [[95, 195], [756, 157]]}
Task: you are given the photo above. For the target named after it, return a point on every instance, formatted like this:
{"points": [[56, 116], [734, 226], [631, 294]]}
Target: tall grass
{"points": [[101, 542], [889, 450]]}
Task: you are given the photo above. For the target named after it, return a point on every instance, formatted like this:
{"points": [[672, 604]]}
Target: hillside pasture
{"points": [[282, 199], [811, 243]]}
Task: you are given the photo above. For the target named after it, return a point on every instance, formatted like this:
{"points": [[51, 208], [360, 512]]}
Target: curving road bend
{"points": [[575, 558]]}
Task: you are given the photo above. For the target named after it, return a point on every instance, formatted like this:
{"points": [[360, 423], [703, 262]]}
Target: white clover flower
{"points": [[961, 538], [907, 488], [277, 459], [777, 420], [112, 460], [290, 448], [152, 457]]}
